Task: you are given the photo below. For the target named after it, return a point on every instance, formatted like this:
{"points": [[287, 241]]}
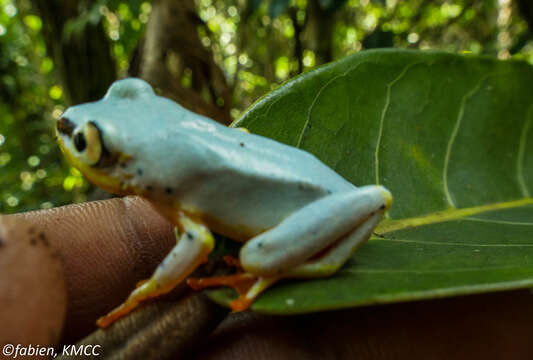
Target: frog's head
{"points": [[92, 135]]}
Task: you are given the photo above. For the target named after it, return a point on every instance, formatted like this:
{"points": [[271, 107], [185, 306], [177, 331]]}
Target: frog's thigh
{"points": [[334, 258], [195, 243], [312, 229]]}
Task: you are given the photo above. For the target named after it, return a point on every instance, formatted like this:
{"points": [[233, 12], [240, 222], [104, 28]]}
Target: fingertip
{"points": [[106, 246], [33, 298]]}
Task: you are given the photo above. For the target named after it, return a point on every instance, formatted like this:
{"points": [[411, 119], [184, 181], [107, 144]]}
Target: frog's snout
{"points": [[65, 126], [387, 196]]}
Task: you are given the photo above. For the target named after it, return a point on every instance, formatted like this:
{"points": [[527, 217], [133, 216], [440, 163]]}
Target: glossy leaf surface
{"points": [[451, 137]]}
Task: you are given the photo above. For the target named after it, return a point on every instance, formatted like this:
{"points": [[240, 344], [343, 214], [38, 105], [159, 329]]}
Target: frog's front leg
{"points": [[192, 248]]}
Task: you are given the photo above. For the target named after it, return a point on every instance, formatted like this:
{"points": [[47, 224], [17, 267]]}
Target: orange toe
{"points": [[240, 304], [114, 315], [240, 282]]}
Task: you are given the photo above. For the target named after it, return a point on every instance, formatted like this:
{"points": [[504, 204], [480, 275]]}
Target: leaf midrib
{"points": [[387, 226]]}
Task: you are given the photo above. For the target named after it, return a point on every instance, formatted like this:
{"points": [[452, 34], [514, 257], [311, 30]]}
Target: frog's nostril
{"points": [[65, 126]]}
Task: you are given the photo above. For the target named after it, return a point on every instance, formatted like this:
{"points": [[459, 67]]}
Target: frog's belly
{"points": [[247, 210]]}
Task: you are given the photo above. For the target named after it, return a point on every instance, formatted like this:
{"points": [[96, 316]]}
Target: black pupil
{"points": [[79, 142]]}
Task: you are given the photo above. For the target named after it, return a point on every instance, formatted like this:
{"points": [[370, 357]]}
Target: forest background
{"points": [[214, 57]]}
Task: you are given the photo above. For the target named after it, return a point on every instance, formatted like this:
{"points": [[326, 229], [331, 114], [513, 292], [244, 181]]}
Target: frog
{"points": [[296, 217]]}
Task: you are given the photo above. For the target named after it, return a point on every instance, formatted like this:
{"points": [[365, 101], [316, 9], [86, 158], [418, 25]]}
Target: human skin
{"points": [[107, 246]]}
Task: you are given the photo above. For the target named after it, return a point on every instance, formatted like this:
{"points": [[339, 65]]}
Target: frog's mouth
{"points": [[97, 176]]}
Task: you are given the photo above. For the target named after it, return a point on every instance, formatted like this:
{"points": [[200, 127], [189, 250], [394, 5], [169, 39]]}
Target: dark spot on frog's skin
{"points": [[149, 188], [33, 241], [241, 144], [259, 244], [31, 230], [139, 172], [168, 190], [2, 243], [382, 207], [304, 186], [189, 236], [330, 192]]}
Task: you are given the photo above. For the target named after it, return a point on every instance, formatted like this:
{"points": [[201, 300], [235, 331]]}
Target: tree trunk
{"points": [[172, 52], [83, 60], [319, 31]]}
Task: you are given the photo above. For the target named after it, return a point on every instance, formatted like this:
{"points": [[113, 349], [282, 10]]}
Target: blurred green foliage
{"points": [[31, 176], [258, 43]]}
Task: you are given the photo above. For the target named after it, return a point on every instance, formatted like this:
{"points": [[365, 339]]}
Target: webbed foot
{"points": [[247, 285]]}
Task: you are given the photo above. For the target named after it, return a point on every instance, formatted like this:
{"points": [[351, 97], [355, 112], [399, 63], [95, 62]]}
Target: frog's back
{"points": [[164, 130], [255, 182], [237, 180]]}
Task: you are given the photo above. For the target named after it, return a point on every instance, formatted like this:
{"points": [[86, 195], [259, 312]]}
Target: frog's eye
{"points": [[87, 141]]}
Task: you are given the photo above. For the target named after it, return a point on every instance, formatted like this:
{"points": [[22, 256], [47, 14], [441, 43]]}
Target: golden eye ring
{"points": [[88, 143]]}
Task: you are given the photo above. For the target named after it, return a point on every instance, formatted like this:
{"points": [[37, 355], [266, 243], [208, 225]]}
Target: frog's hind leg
{"points": [[315, 229], [334, 227], [193, 247], [331, 260], [325, 265]]}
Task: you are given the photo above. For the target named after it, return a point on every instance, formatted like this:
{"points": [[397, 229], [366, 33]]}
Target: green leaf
{"points": [[451, 137]]}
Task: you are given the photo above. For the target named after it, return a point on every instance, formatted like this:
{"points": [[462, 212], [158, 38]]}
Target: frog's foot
{"points": [[247, 285], [244, 300], [146, 289], [239, 282]]}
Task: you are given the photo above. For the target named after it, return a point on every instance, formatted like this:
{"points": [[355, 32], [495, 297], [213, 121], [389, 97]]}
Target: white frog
{"points": [[296, 216]]}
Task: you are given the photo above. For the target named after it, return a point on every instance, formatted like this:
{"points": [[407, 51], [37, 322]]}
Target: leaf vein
{"points": [[423, 242], [504, 222], [382, 117], [522, 154], [453, 135], [317, 96], [359, 270]]}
